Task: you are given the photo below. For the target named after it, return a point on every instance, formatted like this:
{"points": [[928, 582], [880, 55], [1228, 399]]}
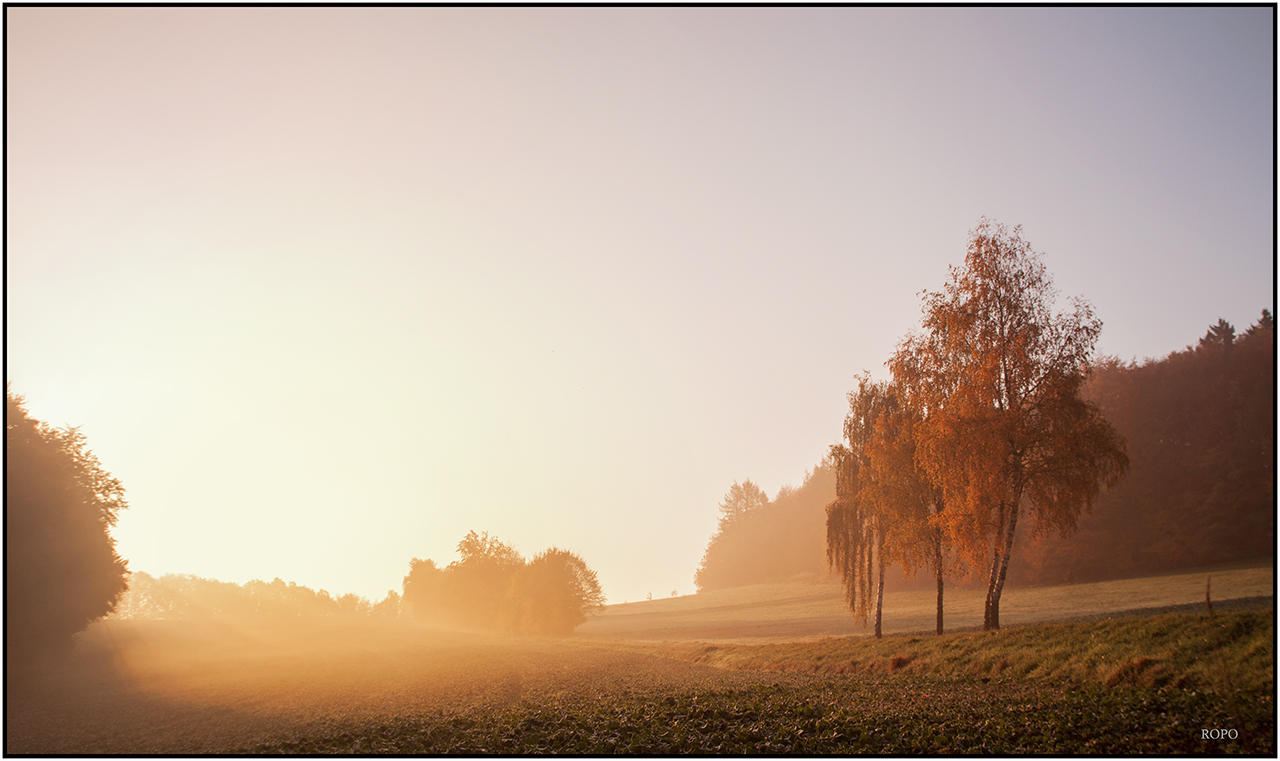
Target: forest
{"points": [[1199, 491]]}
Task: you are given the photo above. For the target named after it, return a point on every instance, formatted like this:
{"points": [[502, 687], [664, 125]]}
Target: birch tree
{"points": [[997, 376], [849, 538], [856, 527], [904, 492]]}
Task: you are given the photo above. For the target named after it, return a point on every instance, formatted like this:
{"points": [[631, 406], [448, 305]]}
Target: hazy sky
{"points": [[326, 288]]}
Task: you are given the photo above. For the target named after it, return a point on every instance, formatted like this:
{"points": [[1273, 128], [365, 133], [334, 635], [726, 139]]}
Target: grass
{"points": [[1128, 686], [1121, 686], [777, 612], [1226, 653]]}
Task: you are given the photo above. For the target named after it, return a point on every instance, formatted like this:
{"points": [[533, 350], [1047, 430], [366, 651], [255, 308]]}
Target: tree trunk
{"points": [[937, 567], [991, 585], [995, 571], [998, 588], [880, 583], [866, 584]]}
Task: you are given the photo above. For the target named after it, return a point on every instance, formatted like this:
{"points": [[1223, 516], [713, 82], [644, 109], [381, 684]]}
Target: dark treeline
{"points": [[1200, 490], [492, 587], [183, 596], [1201, 487]]}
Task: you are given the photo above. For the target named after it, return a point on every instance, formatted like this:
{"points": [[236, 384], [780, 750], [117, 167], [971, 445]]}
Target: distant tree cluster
{"points": [[183, 596], [492, 587], [61, 567], [760, 540]]}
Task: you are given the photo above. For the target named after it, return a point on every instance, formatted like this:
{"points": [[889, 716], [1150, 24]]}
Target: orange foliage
{"points": [[996, 379]]}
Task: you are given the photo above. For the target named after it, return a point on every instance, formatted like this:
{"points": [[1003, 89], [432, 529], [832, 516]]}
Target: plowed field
{"points": [[333, 685]]}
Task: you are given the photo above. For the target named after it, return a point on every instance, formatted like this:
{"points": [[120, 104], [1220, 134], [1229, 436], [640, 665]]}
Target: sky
{"points": [[327, 288]]}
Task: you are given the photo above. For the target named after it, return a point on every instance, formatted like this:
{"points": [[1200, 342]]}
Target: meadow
{"points": [[1108, 684], [790, 612]]}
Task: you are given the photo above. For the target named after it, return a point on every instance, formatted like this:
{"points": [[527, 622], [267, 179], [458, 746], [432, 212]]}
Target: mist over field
{"points": [[640, 380], [629, 680]]}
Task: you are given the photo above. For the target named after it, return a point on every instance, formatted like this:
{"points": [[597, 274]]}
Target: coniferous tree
{"points": [[782, 540]]}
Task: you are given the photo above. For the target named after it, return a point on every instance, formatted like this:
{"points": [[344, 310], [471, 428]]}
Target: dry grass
{"points": [[789, 612], [1226, 653]]}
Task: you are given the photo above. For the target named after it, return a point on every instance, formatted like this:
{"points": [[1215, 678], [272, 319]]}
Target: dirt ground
{"points": [[200, 687], [181, 687]]}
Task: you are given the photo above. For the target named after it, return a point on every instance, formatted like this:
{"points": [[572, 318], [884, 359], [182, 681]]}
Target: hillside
{"points": [[797, 611]]}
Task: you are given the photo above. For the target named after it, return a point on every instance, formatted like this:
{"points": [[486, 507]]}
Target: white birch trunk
{"points": [[1004, 569]]}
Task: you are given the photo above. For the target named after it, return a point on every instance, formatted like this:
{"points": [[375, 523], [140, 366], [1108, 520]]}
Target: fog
{"points": [[230, 685], [375, 350], [225, 685], [326, 288]]}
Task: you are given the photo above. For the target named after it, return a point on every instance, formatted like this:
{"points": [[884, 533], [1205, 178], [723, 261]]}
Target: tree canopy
{"points": [[493, 587], [554, 592], [857, 521], [741, 500], [996, 378], [61, 567]]}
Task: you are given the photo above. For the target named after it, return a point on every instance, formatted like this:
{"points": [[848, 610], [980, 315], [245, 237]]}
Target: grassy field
{"points": [[1228, 652], [1150, 684], [789, 612]]}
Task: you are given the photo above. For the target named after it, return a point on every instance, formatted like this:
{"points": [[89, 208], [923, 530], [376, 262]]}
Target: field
{"points": [[755, 673], [790, 612]]}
